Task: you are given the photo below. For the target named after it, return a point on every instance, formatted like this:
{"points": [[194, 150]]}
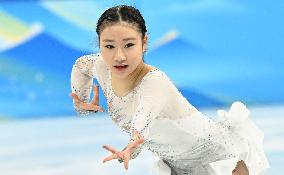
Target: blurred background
{"points": [[215, 51]]}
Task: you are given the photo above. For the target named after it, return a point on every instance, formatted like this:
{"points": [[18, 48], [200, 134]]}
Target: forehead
{"points": [[120, 31]]}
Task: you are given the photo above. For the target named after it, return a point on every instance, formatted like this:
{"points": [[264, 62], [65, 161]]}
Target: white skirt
{"points": [[246, 138]]}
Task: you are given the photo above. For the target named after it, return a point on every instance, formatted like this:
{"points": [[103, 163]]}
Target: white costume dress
{"points": [[186, 141]]}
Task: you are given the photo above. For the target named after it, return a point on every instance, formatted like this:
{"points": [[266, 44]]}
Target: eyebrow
{"points": [[125, 39]]}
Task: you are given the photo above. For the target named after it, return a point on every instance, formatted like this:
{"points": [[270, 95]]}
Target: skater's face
{"points": [[122, 48]]}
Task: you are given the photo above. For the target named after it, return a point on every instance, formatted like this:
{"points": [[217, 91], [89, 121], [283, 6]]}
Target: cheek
{"points": [[107, 55], [106, 52], [135, 52], [107, 58]]}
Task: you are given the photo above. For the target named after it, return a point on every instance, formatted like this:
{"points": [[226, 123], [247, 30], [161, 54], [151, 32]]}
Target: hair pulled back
{"points": [[121, 13]]}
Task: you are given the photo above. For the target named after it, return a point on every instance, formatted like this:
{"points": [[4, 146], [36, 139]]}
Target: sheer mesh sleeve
{"points": [[153, 97], [83, 73]]}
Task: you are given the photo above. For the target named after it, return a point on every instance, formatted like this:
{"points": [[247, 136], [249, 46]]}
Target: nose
{"points": [[119, 56]]}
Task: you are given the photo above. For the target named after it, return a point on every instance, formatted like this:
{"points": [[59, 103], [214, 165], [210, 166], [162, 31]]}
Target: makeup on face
{"points": [[121, 47]]}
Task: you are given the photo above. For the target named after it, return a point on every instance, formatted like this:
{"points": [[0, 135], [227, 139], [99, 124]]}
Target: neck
{"points": [[131, 80], [137, 72]]}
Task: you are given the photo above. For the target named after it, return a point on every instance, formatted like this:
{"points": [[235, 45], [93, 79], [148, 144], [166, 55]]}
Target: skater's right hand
{"points": [[92, 106], [125, 154]]}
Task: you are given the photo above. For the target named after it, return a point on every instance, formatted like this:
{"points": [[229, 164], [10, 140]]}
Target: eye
{"points": [[109, 46], [129, 45]]}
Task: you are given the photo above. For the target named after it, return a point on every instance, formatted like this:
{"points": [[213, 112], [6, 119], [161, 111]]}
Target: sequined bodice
{"points": [[122, 109]]}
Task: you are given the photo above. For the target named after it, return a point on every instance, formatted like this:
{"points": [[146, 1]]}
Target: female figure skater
{"points": [[144, 102]]}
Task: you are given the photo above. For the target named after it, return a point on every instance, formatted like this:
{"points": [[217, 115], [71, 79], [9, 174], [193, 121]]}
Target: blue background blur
{"points": [[215, 51]]}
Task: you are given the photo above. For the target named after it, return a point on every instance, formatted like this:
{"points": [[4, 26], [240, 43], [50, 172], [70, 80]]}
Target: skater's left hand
{"points": [[90, 106], [125, 154]]}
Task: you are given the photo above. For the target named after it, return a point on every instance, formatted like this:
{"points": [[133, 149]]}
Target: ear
{"points": [[145, 43]]}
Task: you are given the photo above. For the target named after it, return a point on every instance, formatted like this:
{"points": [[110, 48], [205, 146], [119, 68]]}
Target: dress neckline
{"points": [[131, 91]]}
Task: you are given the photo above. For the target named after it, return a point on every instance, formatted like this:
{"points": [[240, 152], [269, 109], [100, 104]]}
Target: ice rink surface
{"points": [[73, 145]]}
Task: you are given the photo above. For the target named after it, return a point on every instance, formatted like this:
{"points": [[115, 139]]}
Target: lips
{"points": [[120, 67]]}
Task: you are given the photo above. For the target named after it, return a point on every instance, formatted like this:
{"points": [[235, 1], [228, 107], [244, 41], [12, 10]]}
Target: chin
{"points": [[120, 74]]}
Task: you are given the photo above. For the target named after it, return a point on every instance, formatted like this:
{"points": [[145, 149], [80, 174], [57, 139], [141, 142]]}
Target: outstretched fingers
{"points": [[76, 99], [124, 155], [87, 106], [95, 100], [110, 148], [126, 160], [111, 157], [91, 107], [115, 154]]}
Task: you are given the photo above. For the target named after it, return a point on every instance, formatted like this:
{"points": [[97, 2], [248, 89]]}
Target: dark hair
{"points": [[121, 13]]}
